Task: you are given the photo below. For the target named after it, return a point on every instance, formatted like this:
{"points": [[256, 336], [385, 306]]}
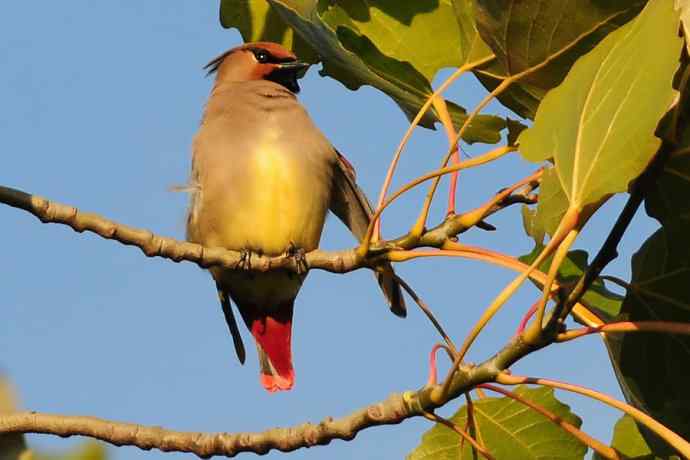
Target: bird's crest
{"points": [[276, 51]]}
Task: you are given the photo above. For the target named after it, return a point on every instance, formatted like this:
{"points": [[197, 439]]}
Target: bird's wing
{"points": [[349, 203]]}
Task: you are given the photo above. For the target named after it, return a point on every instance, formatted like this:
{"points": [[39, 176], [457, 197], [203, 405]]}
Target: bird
{"points": [[263, 178]]}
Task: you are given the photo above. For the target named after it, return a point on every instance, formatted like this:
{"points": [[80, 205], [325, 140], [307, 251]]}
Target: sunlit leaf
{"points": [[472, 47], [378, 43], [509, 430], [526, 33], [257, 21], [395, 28], [599, 124], [652, 368], [597, 298], [552, 204], [532, 228]]}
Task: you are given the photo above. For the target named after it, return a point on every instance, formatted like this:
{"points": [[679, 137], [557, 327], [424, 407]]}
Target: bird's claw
{"points": [[299, 257], [245, 262]]}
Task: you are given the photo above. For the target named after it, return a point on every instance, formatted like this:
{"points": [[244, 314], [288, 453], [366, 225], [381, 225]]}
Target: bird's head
{"points": [[259, 61]]}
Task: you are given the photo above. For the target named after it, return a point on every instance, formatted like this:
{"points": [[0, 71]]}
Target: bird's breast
{"points": [[271, 191]]}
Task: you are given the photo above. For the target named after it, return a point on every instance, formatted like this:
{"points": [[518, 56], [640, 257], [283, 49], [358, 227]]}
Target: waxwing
{"points": [[263, 178]]}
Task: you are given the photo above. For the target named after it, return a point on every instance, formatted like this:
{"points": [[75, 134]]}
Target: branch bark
{"points": [[152, 245], [393, 410]]}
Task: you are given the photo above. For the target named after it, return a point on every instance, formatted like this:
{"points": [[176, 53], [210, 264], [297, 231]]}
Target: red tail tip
{"points": [[273, 383]]}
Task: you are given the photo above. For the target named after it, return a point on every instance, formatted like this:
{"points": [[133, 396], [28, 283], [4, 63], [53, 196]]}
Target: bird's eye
{"points": [[261, 56]]}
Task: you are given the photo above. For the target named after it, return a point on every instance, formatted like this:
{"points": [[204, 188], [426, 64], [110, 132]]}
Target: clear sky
{"points": [[100, 101]]}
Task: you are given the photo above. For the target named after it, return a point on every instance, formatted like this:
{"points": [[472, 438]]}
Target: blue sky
{"points": [[100, 101]]}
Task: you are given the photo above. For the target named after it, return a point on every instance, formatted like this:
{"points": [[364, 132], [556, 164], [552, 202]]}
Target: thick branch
{"points": [[390, 411], [157, 246], [153, 245]]}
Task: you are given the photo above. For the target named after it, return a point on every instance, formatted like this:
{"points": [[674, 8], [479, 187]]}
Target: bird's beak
{"points": [[298, 67], [287, 74]]}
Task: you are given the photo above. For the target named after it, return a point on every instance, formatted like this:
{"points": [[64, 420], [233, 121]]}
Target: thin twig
{"points": [[398, 152], [429, 314]]}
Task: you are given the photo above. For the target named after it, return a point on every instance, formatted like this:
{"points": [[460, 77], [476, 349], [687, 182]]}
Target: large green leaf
{"points": [[384, 44], [597, 298], [628, 440], [653, 369], [598, 125], [398, 36], [527, 33], [509, 430]]}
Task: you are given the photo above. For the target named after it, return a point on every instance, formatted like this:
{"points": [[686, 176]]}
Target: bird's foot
{"points": [[299, 257], [245, 262]]}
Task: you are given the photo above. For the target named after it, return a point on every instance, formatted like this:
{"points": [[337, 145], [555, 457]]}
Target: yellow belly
{"points": [[282, 201]]}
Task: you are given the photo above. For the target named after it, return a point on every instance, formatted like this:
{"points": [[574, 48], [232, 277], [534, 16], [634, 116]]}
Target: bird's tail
{"points": [[272, 332]]}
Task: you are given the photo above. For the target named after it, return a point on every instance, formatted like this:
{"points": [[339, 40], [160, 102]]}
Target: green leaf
{"points": [[666, 198], [552, 204], [669, 197], [599, 124], [652, 368], [509, 430], [395, 28], [257, 21], [597, 298], [628, 440], [527, 33], [377, 43], [531, 226], [472, 47]]}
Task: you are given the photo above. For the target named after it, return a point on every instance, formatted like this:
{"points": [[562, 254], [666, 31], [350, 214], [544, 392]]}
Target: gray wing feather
{"points": [[352, 207]]}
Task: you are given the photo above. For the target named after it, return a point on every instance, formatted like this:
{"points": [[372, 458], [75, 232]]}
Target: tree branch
{"points": [[152, 245], [393, 410], [396, 408]]}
